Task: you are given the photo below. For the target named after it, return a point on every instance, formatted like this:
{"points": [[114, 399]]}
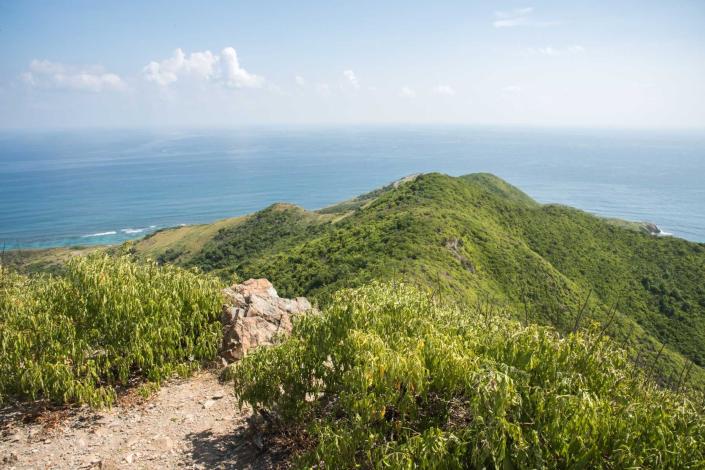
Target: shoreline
{"points": [[650, 228]]}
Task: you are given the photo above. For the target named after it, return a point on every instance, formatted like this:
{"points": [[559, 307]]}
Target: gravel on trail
{"points": [[187, 423]]}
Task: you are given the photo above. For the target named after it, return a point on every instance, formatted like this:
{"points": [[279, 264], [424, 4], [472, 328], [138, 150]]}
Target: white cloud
{"points": [[513, 89], [235, 75], [443, 90], [46, 74], [516, 12], [323, 89], [205, 66], [553, 51], [201, 65], [300, 81], [518, 17], [407, 92], [352, 78]]}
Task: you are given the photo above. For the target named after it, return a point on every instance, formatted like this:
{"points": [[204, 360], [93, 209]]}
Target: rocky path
{"points": [[189, 423]]}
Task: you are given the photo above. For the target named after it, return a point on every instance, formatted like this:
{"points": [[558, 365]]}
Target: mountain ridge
{"points": [[471, 238], [476, 237]]}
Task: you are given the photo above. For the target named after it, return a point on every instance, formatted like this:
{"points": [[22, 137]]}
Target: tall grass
{"points": [[75, 337], [386, 378]]}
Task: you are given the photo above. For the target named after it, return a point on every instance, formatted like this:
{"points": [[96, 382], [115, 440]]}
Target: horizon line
{"points": [[274, 125]]}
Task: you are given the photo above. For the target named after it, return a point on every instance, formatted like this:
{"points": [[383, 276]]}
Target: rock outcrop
{"points": [[652, 228], [253, 315]]}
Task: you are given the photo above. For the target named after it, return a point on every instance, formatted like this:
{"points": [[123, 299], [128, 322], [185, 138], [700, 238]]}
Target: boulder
{"points": [[254, 315]]}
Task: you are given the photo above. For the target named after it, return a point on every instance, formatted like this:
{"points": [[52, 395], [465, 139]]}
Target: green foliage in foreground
{"points": [[105, 321], [385, 377]]}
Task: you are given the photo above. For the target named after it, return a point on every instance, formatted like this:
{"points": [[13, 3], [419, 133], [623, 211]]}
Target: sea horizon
{"points": [[105, 186]]}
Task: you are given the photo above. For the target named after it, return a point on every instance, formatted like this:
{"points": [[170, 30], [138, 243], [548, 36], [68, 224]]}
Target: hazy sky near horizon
{"points": [[227, 63]]}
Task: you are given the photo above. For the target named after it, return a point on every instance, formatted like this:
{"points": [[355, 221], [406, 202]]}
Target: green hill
{"points": [[462, 325], [473, 239]]}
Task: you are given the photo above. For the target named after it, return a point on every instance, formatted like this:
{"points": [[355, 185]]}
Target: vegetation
{"points": [[387, 377], [464, 325], [105, 321], [265, 233], [475, 238], [43, 260], [181, 242]]}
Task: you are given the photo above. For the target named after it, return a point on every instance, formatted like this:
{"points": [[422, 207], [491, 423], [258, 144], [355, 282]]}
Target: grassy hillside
{"points": [[178, 243], [263, 234], [43, 260], [477, 238]]}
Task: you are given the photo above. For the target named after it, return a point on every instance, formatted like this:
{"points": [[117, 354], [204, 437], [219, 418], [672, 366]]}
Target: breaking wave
{"points": [[99, 234]]}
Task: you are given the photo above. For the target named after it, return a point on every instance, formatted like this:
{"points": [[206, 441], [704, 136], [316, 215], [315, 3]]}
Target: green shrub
{"points": [[106, 320], [385, 377]]}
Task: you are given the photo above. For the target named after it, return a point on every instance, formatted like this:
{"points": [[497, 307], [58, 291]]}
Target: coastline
{"points": [[84, 242]]}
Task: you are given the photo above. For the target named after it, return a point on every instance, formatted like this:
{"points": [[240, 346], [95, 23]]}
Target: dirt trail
{"points": [[190, 423]]}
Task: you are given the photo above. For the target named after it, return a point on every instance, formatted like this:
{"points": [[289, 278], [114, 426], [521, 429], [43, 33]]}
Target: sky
{"points": [[631, 64]]}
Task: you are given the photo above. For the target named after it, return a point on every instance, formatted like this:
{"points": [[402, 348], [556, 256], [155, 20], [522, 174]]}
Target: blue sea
{"points": [[106, 186]]}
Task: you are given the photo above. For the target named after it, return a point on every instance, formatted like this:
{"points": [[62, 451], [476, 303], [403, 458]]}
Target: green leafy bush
{"points": [[105, 321], [386, 377]]}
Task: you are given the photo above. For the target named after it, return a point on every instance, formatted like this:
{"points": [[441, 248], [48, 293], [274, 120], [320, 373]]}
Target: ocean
{"points": [[80, 187]]}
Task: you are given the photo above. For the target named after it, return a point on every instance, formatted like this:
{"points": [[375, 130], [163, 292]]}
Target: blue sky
{"points": [[173, 64]]}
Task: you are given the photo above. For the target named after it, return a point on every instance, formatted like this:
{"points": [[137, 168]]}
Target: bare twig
{"points": [[580, 313], [680, 376], [612, 313], [687, 373], [653, 366], [526, 308]]}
